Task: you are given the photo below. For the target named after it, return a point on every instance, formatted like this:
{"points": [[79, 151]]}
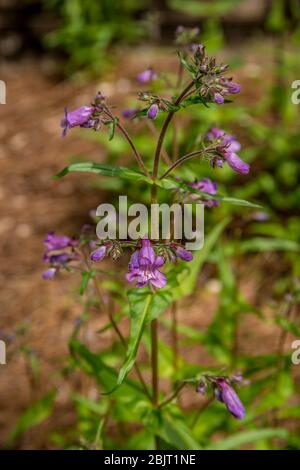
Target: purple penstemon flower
{"points": [[181, 252], [208, 186], [227, 395], [227, 148], [143, 267], [147, 76], [225, 87], [58, 242], [99, 253], [79, 117]]}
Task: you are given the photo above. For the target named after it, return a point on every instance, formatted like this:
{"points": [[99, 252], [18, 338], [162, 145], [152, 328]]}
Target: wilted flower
{"points": [[152, 111], [80, 117], [147, 76], [143, 266]]}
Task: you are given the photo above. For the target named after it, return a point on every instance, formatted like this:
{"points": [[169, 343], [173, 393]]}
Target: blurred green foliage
{"points": [[90, 27]]}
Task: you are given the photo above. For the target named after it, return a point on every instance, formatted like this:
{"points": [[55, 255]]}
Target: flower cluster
{"points": [[211, 83], [92, 116], [224, 392], [59, 252], [154, 103], [226, 151], [144, 262], [143, 266]]}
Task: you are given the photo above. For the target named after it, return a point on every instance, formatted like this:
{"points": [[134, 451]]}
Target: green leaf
{"points": [[248, 437], [170, 183], [111, 128], [144, 307], [189, 67], [85, 277], [105, 375], [104, 170], [133, 175], [34, 415], [173, 430], [195, 99], [288, 325]]}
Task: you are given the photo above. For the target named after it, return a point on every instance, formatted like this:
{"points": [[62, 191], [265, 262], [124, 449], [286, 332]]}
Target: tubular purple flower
{"points": [[236, 163], [147, 76], [152, 111], [98, 254], [234, 88], [143, 267], [80, 117], [208, 186], [227, 148], [181, 252], [229, 397], [58, 242]]}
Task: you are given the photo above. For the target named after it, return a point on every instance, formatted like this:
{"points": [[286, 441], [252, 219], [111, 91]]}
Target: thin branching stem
{"points": [[165, 128], [182, 160]]}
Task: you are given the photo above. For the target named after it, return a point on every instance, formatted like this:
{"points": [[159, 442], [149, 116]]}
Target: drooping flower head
{"points": [[143, 266], [81, 117], [224, 392], [181, 252], [227, 395], [226, 151]]}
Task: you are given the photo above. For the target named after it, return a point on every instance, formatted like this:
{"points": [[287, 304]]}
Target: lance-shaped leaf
{"points": [[170, 183], [104, 170], [144, 307], [165, 183]]}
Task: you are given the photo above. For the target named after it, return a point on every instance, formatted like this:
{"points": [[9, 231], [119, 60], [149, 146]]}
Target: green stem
{"points": [[154, 361], [181, 160], [165, 128]]}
